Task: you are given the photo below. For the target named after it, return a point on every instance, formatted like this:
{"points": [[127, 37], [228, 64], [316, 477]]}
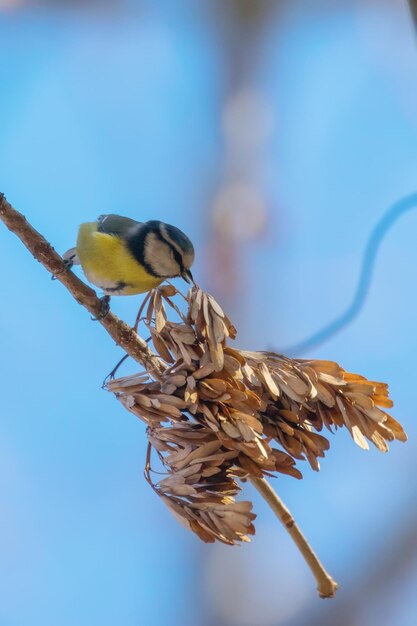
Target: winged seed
{"points": [[214, 413]]}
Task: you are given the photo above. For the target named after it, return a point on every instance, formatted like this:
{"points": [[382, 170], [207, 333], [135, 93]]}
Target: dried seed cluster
{"points": [[218, 414]]}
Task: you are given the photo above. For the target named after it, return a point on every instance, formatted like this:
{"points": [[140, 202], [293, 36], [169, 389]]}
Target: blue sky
{"points": [[122, 114]]}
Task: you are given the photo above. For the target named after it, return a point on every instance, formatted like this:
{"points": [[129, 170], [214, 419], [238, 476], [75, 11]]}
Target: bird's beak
{"points": [[187, 276]]}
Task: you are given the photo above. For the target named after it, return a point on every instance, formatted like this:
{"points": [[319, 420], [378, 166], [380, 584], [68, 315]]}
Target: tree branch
{"points": [[138, 349], [122, 334]]}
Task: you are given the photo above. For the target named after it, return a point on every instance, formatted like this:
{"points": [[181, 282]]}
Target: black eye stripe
{"points": [[137, 244], [177, 256]]}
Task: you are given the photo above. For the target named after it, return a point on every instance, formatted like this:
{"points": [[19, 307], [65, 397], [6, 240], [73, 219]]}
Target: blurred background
{"points": [[275, 134]]}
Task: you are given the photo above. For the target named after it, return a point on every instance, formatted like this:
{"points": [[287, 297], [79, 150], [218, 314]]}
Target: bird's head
{"points": [[164, 250]]}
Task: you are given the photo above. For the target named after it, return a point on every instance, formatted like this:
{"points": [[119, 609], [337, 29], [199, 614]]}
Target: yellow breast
{"points": [[108, 264]]}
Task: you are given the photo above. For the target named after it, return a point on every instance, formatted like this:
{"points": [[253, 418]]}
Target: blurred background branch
{"points": [[373, 244], [413, 7]]}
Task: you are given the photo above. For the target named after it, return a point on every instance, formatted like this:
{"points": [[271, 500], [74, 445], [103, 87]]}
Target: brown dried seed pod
{"points": [[215, 412]]}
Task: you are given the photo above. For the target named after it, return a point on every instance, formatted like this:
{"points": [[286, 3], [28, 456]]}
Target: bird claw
{"points": [[104, 309], [66, 266]]}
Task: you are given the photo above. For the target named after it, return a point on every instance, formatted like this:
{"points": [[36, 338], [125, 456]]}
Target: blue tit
{"points": [[125, 257]]}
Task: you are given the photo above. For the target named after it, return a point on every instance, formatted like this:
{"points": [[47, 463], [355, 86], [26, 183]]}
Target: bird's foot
{"points": [[104, 309], [66, 266]]}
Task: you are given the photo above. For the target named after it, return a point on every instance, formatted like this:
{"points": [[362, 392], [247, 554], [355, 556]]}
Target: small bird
{"points": [[125, 257]]}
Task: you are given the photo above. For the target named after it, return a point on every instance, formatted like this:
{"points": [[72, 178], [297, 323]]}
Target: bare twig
{"points": [[326, 586], [122, 334]]}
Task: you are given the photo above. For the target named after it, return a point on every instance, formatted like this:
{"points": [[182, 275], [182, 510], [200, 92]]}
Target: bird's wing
{"points": [[108, 224], [115, 224]]}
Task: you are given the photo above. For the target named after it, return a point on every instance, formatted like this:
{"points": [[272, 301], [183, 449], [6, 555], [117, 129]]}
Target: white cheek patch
{"points": [[159, 257]]}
